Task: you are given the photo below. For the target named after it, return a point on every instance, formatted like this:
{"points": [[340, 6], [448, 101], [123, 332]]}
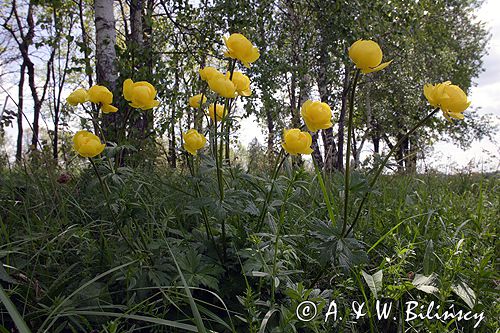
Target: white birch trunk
{"points": [[105, 43]]}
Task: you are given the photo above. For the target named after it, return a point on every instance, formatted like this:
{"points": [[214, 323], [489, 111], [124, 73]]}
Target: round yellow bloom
{"points": [[141, 94], [78, 96], [196, 100], [317, 115], [367, 56], [450, 98], [297, 142], [241, 82], [239, 47], [209, 73], [222, 86], [100, 94], [193, 141], [87, 144], [219, 110], [108, 108]]}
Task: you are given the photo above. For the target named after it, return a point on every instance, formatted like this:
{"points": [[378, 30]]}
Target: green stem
{"points": [[224, 126], [348, 152], [278, 234], [384, 163], [206, 222], [325, 192], [279, 162]]}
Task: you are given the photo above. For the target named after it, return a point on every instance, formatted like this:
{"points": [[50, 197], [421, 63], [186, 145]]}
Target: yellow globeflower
{"points": [[367, 56], [451, 99], [196, 100], [141, 94], [241, 82], [100, 94], [219, 110], [87, 144], [222, 86], [108, 108], [78, 96], [193, 141], [317, 115], [209, 73], [239, 47], [297, 142]]}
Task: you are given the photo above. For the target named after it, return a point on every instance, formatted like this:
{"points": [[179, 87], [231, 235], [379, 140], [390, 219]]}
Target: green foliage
{"points": [[429, 238]]}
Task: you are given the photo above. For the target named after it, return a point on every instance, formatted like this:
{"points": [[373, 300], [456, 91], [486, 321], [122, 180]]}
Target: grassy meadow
{"points": [[140, 260]]}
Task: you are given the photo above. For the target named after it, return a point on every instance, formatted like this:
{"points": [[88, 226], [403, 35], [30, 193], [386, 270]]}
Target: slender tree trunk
{"points": [[330, 149], [411, 161], [60, 84], [20, 103], [86, 43], [376, 144], [136, 8], [316, 154], [172, 139], [270, 130], [354, 149], [343, 108], [400, 153], [106, 59], [27, 40], [105, 43]]}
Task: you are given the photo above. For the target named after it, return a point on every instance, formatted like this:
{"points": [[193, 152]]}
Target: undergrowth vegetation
{"points": [[73, 263]]}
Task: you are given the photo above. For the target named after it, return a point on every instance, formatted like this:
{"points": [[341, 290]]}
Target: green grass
{"points": [[66, 266]]}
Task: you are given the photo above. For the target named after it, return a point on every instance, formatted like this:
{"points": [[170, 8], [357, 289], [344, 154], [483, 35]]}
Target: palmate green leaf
{"points": [[198, 271]]}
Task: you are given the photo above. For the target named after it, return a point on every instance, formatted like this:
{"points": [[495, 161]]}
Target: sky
{"points": [[448, 157], [485, 97]]}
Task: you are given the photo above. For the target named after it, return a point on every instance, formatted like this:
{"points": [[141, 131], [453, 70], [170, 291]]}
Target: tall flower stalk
{"points": [[382, 165], [347, 175]]}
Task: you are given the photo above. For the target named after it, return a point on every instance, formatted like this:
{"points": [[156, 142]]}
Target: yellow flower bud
{"points": [[317, 115], [219, 110], [367, 56], [141, 94], [223, 86], [297, 142], [87, 144], [239, 47], [450, 98], [194, 101], [108, 108], [78, 96], [241, 82], [209, 73], [100, 94], [193, 141]]}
